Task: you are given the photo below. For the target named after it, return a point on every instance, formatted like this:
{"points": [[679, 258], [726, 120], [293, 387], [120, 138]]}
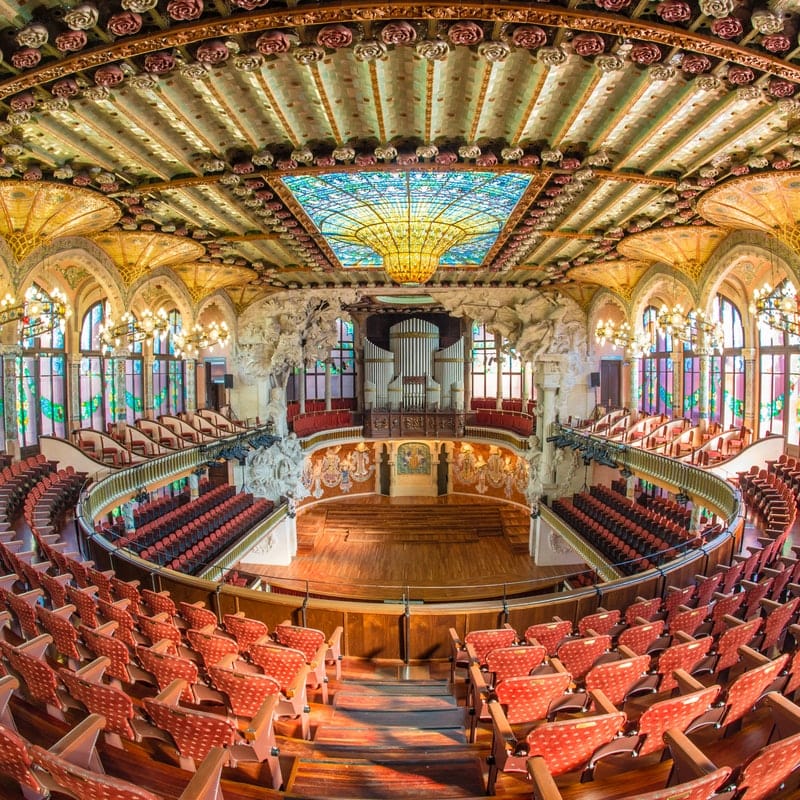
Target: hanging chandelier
{"points": [[39, 313], [636, 343], [189, 345], [777, 308], [130, 330], [693, 328]]}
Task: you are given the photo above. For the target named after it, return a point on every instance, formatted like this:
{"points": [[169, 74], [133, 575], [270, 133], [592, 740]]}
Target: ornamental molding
{"points": [[254, 22]]}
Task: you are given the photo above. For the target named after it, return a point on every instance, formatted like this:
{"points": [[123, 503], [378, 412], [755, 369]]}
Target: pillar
{"points": [[525, 388], [705, 386], [301, 388], [120, 410], [328, 368], [11, 393], [147, 367], [635, 385], [194, 485], [74, 375], [750, 401], [190, 385], [677, 382], [498, 356], [549, 380], [467, 334]]}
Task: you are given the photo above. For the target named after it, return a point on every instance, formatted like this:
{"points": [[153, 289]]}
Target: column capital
{"points": [[749, 353]]}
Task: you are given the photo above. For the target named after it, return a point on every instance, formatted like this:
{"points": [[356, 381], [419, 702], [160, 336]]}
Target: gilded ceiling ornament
{"points": [[55, 104], [511, 153], [433, 49], [194, 72], [717, 8], [303, 155], [74, 275], [6, 170], [708, 83], [308, 54], [17, 118], [609, 63], [145, 82], [551, 155], [230, 179], [34, 35], [139, 6], [63, 173], [386, 153], [12, 150], [749, 93], [494, 51], [345, 154], [263, 158], [83, 17], [469, 151], [369, 50], [248, 62], [766, 22], [661, 72]]}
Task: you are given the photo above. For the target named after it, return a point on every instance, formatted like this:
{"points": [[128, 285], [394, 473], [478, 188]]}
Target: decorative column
{"points": [[549, 369], [149, 399], [466, 332], [194, 485], [73, 387], [190, 385], [525, 388], [11, 394], [677, 382], [705, 384], [750, 401], [120, 402], [635, 384], [498, 360], [328, 368], [301, 388]]}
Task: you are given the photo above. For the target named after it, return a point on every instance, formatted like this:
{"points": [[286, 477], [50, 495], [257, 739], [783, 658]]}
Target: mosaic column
{"points": [[498, 360], [634, 383], [190, 385], [750, 401], [74, 376], [705, 385], [149, 361], [466, 327], [550, 381], [120, 401], [328, 370], [194, 485], [11, 395], [677, 383]]}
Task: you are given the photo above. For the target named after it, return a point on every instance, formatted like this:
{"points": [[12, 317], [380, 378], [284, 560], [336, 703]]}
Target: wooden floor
{"points": [[444, 548]]}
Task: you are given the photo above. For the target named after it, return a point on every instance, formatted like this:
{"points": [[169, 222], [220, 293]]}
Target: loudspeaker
{"points": [[594, 380], [227, 380]]}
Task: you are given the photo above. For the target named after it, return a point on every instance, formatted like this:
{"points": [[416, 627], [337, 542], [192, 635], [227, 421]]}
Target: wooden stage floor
{"points": [[443, 548]]}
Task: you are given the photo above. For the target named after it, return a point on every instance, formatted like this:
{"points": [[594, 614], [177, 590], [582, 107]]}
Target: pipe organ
{"points": [[414, 372]]}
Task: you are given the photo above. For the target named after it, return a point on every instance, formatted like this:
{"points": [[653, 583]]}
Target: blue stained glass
{"points": [[342, 205]]}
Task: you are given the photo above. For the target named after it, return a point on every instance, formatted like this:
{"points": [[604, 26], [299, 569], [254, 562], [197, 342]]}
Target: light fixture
{"points": [[131, 330], [636, 343], [694, 328], [200, 338], [39, 313], [777, 308]]}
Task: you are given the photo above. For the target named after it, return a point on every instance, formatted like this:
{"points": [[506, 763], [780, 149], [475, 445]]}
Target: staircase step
{"points": [[383, 702], [401, 688], [330, 738], [450, 718], [358, 779]]}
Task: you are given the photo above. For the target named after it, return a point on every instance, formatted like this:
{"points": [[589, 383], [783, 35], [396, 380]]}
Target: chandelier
{"points": [[624, 337], [693, 328], [200, 338], [39, 313], [777, 308], [130, 330]]}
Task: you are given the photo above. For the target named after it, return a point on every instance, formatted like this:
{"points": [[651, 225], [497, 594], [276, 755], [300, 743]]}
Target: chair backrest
{"points": [[212, 648], [508, 662], [526, 698], [688, 621], [159, 603], [168, 666], [245, 691], [110, 702], [194, 732], [579, 655], [639, 637], [676, 712], [684, 655], [550, 634], [85, 783], [280, 663], [646, 609], [746, 690], [246, 631], [40, 678], [125, 622], [730, 640], [15, 762], [601, 622], [615, 678], [65, 636], [307, 640], [769, 768], [776, 622], [83, 599], [567, 745], [157, 629], [101, 644], [197, 616], [25, 613]]}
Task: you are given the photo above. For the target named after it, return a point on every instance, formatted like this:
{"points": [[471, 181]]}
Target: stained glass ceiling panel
{"points": [[357, 212]]}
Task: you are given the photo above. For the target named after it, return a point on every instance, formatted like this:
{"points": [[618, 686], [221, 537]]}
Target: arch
{"points": [[163, 281], [662, 284]]}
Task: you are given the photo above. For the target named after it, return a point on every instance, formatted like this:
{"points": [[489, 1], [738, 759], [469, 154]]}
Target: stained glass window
{"points": [[169, 372], [364, 214], [484, 362], [726, 398], [657, 369]]}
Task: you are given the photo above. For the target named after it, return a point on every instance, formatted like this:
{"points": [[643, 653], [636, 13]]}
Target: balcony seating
{"points": [[16, 763], [549, 634], [643, 637], [65, 636], [246, 631], [211, 646], [579, 655]]}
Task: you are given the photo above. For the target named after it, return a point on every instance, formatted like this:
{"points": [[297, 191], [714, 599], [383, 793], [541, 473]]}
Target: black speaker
{"points": [[594, 379], [227, 380]]}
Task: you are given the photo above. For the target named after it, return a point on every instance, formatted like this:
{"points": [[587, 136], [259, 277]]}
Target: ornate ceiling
{"points": [[206, 120]]}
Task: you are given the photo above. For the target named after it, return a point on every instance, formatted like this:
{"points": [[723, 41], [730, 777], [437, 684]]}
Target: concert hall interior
{"points": [[399, 401]]}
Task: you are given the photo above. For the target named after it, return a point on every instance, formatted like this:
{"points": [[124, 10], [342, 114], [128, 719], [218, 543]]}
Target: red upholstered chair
{"points": [[550, 634], [482, 642], [285, 664], [602, 622], [642, 637], [778, 617], [246, 631], [196, 614], [40, 680], [686, 654], [312, 643], [118, 612], [211, 646], [247, 692], [102, 642], [646, 609], [84, 599], [74, 765], [509, 662], [159, 602], [579, 655], [726, 650], [702, 788], [65, 635], [565, 746], [195, 732], [687, 620], [158, 627], [23, 607], [15, 763], [55, 586], [127, 590]]}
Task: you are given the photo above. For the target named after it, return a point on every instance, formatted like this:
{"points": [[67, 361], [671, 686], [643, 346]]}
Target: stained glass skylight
{"points": [[368, 218]]}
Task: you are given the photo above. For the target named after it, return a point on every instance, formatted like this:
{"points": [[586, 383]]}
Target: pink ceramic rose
{"points": [[26, 58], [365, 160], [159, 63], [740, 169], [612, 5], [446, 157], [776, 43], [125, 23], [530, 160], [325, 161], [486, 160], [71, 41], [570, 163], [588, 44], [213, 52], [23, 102], [182, 10], [727, 27], [645, 53], [244, 167], [66, 87], [781, 163], [398, 33], [407, 159], [528, 36], [82, 179], [674, 11], [32, 174], [695, 64], [335, 37], [740, 76], [109, 75], [271, 43], [778, 87], [465, 33]]}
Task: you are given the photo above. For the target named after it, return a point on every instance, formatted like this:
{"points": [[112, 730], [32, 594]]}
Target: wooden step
{"points": [[383, 702], [361, 739], [359, 779], [431, 688]]}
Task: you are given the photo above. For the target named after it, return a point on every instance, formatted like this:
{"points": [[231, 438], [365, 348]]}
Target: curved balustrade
{"points": [[395, 627]]}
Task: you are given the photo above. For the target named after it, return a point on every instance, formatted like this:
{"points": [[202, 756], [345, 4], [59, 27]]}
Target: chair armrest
{"points": [[204, 784], [163, 646], [751, 658], [335, 643], [686, 682], [94, 670], [8, 685], [78, 745], [108, 628], [689, 761], [503, 731], [544, 785], [557, 665], [625, 651], [36, 647], [261, 725], [226, 662], [171, 695], [684, 637], [65, 611], [785, 714], [602, 703]]}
